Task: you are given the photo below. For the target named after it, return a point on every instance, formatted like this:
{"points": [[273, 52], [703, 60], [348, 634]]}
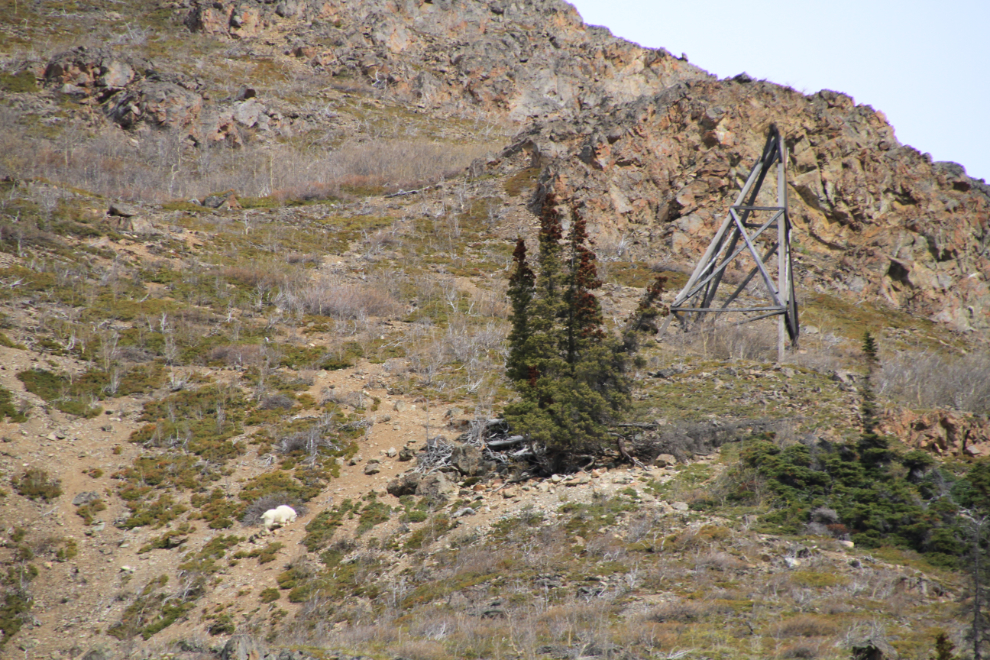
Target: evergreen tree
{"points": [[874, 450], [644, 319], [943, 648], [521, 285], [569, 373]]}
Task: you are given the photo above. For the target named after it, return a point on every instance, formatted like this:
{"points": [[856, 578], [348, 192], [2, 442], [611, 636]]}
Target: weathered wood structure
{"points": [[733, 240]]}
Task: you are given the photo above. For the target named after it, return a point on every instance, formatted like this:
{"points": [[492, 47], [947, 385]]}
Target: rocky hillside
{"points": [[255, 253], [875, 218]]}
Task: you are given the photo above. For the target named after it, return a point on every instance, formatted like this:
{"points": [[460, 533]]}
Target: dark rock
{"points": [[435, 488], [214, 201], [160, 104], [123, 210], [873, 648], [468, 460], [242, 647], [96, 654], [407, 484], [85, 498]]}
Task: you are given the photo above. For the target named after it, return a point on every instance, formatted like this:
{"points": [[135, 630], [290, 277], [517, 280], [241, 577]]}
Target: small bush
{"points": [[70, 396], [68, 551], [88, 511], [269, 595], [13, 613], [7, 408], [35, 484], [264, 555], [805, 625], [18, 83], [222, 625]]}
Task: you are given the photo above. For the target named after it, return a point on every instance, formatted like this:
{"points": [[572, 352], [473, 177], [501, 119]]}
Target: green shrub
{"points": [[13, 612], [88, 511], [153, 611], [67, 551], [35, 484], [223, 624], [201, 421], [320, 530], [7, 408], [264, 555], [18, 83], [269, 595], [155, 514], [373, 513], [219, 511], [898, 501], [70, 396], [428, 533], [170, 539]]}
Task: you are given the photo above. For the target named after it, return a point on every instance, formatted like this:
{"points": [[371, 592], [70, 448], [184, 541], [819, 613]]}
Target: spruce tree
{"points": [[874, 450], [521, 289], [569, 373]]}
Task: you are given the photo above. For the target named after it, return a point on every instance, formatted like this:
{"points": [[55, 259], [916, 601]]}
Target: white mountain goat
{"points": [[279, 516]]}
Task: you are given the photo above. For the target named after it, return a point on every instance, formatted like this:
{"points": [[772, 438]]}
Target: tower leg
{"points": [[781, 339]]}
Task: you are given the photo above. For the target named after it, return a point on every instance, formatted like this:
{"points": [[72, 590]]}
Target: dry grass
{"points": [[328, 297], [805, 625], [757, 341], [163, 165], [929, 380]]}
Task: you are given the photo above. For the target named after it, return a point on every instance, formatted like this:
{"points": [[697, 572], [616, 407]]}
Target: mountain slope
{"points": [[255, 253]]}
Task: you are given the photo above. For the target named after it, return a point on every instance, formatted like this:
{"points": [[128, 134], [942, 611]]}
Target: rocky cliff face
{"points": [[524, 59], [893, 225]]}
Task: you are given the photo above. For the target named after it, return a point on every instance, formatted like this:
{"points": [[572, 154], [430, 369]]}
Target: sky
{"points": [[924, 63]]}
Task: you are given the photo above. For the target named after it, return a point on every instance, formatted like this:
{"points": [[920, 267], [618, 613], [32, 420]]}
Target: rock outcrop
{"points": [[942, 432], [893, 225], [521, 59]]}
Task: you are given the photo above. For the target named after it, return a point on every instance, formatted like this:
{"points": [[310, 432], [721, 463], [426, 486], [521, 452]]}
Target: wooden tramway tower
{"points": [[733, 240]]}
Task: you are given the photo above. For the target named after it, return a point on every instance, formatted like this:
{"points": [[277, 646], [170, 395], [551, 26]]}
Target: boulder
{"points": [[160, 104], [85, 498], [115, 73], [407, 484], [85, 69], [942, 432], [123, 210], [468, 460], [243, 647], [435, 488], [250, 113], [665, 460], [214, 201], [373, 466]]}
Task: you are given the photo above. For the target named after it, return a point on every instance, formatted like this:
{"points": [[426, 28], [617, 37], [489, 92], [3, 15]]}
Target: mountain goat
{"points": [[279, 516]]}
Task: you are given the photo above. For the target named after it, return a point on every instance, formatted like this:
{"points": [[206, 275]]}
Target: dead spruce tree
{"points": [[571, 375]]}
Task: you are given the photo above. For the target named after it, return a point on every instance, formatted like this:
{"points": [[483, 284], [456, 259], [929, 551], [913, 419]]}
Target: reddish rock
{"points": [[943, 432]]}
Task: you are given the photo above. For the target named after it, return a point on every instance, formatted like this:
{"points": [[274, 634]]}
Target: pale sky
{"points": [[924, 63]]}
